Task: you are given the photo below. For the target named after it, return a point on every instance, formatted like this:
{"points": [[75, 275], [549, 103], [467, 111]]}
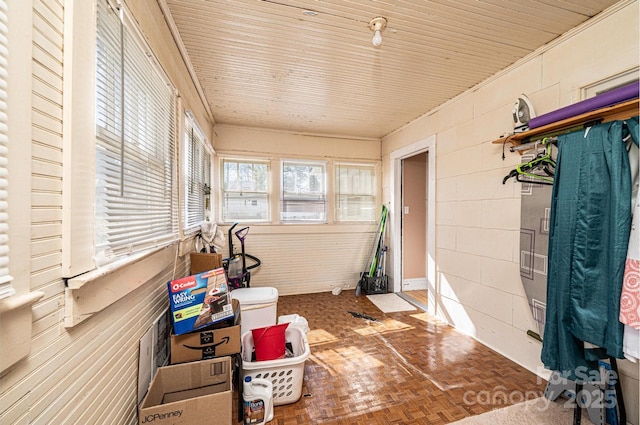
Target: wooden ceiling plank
{"points": [[267, 64], [474, 26]]}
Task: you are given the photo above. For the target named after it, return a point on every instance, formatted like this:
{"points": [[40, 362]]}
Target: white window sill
{"points": [[15, 327], [19, 301], [94, 291]]}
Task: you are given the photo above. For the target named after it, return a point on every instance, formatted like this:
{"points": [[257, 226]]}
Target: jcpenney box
{"points": [[220, 339], [190, 394], [200, 300]]}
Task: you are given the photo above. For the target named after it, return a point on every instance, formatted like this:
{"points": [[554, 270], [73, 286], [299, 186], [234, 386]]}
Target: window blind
{"points": [[197, 169], [6, 289], [303, 191], [355, 192], [135, 146]]}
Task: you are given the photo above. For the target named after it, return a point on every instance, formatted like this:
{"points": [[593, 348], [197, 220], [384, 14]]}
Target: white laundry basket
{"points": [[286, 374]]}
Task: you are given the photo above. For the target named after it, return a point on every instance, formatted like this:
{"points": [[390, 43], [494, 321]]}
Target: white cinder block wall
{"points": [[477, 217]]}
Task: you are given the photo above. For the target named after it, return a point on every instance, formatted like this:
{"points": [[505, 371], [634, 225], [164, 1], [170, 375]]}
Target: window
{"points": [[6, 289], [613, 82], [196, 178], [245, 191], [303, 195], [136, 197], [355, 192]]}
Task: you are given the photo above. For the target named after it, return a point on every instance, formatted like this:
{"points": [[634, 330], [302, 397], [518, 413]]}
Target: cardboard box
{"points": [[199, 300], [204, 262], [190, 394], [222, 339]]}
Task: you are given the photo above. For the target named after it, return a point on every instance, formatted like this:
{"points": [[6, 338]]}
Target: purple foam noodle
{"points": [[630, 91]]}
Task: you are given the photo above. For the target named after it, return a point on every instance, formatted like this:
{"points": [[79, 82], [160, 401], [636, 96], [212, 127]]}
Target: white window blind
{"points": [[303, 195], [196, 178], [136, 199], [245, 190], [355, 192], [6, 289]]}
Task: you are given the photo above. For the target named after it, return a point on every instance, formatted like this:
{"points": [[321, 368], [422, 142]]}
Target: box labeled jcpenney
{"points": [[198, 301], [190, 394]]}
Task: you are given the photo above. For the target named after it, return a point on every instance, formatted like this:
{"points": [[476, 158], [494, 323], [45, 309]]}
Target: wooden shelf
{"points": [[619, 111]]}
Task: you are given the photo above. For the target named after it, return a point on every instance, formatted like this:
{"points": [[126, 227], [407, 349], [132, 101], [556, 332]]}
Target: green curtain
{"points": [[589, 233]]}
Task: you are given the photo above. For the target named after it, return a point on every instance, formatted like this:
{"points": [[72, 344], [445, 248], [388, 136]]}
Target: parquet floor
{"points": [[406, 369], [419, 296]]}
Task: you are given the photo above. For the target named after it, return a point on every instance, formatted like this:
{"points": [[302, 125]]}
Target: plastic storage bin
{"points": [[375, 285], [295, 320], [286, 375], [258, 307]]}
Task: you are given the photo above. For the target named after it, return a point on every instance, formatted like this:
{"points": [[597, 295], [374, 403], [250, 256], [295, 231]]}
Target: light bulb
{"points": [[377, 38]]}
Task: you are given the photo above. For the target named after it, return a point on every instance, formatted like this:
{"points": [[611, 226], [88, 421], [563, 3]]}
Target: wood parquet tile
{"points": [[406, 369]]}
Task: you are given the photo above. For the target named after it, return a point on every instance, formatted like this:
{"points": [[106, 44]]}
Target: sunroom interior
{"points": [[133, 126]]}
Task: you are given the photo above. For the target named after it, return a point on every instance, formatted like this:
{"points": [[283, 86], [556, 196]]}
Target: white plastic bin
{"points": [[286, 375], [258, 307], [295, 320]]}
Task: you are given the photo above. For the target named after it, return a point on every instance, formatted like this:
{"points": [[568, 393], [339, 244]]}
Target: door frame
{"points": [[424, 145]]}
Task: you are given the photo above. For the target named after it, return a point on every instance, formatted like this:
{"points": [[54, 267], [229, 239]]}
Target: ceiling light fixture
{"points": [[377, 25]]}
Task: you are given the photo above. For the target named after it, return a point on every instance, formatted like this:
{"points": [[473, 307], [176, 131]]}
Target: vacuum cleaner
{"points": [[238, 273]]}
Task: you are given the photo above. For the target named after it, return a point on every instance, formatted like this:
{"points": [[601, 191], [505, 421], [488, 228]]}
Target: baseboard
{"points": [[414, 284]]}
